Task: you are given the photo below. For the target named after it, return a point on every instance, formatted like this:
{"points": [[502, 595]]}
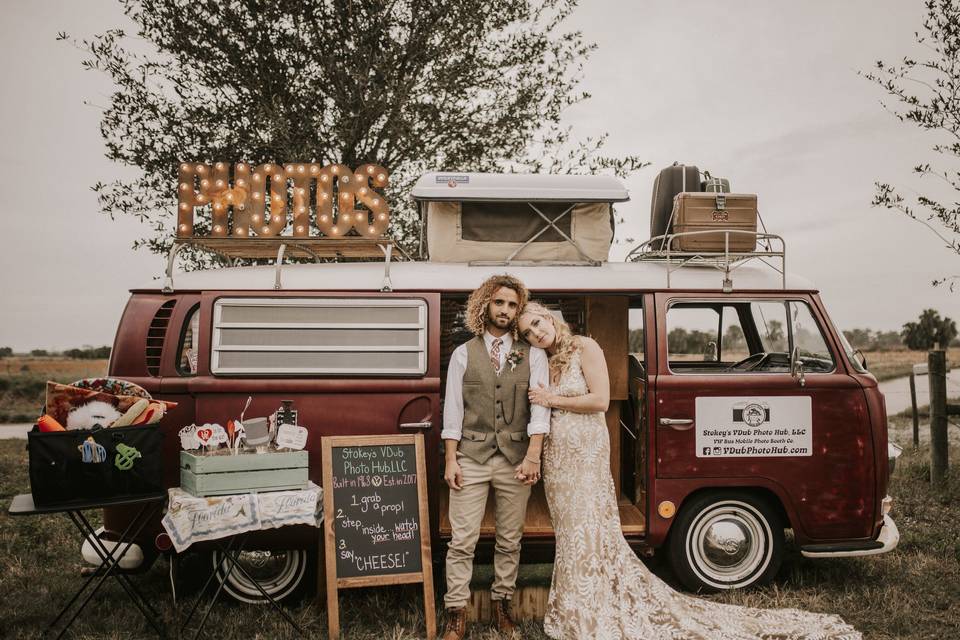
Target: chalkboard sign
{"points": [[376, 528], [376, 521]]}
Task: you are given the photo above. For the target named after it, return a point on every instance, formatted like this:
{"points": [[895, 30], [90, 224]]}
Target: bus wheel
{"points": [[727, 540], [280, 573]]}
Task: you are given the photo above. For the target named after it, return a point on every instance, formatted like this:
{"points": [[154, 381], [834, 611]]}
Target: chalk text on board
{"points": [[375, 562]]}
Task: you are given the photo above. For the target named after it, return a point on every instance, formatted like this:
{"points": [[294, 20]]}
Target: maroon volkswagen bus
{"points": [[738, 410]]}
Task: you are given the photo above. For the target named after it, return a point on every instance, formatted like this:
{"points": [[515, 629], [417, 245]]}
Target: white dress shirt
{"points": [[453, 401]]}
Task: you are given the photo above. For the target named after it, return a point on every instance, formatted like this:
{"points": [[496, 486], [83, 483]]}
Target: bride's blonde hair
{"points": [[566, 343]]}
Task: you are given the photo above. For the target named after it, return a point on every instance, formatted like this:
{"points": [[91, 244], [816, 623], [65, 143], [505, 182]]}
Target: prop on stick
{"points": [[291, 436]]}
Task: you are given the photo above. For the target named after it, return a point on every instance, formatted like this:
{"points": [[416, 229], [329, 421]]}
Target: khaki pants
{"points": [[466, 514]]}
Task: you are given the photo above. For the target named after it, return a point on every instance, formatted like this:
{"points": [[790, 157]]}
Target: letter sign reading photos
{"points": [[748, 427], [265, 200], [376, 529]]}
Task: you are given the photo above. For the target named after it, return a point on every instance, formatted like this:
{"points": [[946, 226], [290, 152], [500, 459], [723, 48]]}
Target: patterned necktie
{"points": [[495, 354]]}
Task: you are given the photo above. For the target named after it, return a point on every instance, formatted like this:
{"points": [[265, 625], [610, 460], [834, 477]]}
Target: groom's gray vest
{"points": [[496, 409]]}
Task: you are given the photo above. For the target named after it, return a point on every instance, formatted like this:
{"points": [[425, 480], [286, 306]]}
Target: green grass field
{"points": [[911, 593], [23, 381], [886, 365]]}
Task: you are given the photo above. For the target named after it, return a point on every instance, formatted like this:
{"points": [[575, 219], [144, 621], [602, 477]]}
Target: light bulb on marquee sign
{"points": [[336, 189]]}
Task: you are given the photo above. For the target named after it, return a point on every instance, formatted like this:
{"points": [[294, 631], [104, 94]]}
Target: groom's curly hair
{"points": [[479, 300]]}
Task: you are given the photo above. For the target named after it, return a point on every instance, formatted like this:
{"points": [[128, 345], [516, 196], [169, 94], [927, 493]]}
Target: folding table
{"points": [[225, 521], [151, 505], [229, 548]]}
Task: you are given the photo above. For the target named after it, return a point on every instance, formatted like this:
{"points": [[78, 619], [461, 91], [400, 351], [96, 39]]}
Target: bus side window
{"points": [[693, 336], [189, 338]]}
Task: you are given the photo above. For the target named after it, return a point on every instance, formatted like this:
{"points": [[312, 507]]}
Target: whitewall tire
{"points": [[726, 540], [281, 574]]}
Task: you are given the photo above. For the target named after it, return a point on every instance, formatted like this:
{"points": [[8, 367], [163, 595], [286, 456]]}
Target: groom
{"points": [[489, 428]]}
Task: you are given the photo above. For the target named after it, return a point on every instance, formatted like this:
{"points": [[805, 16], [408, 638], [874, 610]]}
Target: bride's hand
{"points": [[541, 396], [528, 471]]}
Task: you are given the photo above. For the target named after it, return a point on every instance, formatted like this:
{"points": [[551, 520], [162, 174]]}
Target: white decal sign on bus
{"points": [[747, 427]]}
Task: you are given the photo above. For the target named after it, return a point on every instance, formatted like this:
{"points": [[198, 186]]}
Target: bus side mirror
{"points": [[862, 358], [710, 352], [796, 366]]}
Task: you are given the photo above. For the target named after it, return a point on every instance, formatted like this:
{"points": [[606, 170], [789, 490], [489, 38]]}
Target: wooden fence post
{"points": [[913, 403], [937, 372]]}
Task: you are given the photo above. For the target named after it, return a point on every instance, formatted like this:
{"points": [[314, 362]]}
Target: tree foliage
{"points": [[88, 353], [929, 331], [870, 340], [927, 94], [413, 85], [733, 339], [690, 341]]}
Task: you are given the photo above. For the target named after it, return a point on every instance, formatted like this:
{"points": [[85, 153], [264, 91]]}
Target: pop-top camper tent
{"points": [[510, 218]]}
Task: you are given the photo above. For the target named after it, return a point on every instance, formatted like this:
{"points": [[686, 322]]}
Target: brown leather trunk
{"points": [[715, 211]]}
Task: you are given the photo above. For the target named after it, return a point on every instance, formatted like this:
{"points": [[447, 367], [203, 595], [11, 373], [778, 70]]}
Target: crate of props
{"points": [[247, 455]]}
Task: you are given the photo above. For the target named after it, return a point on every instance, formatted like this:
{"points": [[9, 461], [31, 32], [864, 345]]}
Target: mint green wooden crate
{"points": [[219, 475]]}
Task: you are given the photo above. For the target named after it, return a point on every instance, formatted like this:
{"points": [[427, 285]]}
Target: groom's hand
{"points": [[453, 475]]}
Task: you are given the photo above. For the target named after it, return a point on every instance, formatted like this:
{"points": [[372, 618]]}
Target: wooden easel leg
{"points": [[429, 606], [333, 615]]}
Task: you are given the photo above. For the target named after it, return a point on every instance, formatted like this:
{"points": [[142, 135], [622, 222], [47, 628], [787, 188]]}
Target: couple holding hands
{"points": [[525, 400]]}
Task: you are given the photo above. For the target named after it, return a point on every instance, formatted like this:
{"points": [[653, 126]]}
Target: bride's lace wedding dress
{"points": [[600, 589]]}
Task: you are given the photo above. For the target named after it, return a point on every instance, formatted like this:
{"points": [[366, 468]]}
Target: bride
{"points": [[600, 589]]}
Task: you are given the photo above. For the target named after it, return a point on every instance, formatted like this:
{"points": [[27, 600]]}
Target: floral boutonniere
{"points": [[514, 358]]}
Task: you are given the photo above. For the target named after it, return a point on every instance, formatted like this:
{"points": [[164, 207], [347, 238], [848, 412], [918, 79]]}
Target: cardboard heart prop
{"points": [[204, 435]]}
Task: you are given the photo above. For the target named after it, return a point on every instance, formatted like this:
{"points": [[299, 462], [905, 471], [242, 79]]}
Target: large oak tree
{"points": [[413, 85]]}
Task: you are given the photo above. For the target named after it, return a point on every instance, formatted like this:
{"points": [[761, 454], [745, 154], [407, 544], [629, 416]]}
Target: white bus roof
{"points": [[432, 276], [518, 187]]}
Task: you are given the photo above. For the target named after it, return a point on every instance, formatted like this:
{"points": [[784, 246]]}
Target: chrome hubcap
{"points": [[729, 544], [276, 572], [263, 566], [726, 543]]}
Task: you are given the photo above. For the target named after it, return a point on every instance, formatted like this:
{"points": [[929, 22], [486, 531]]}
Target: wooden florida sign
{"points": [[247, 200]]}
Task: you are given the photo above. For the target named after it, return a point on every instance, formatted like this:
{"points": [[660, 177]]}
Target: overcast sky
{"points": [[763, 92]]}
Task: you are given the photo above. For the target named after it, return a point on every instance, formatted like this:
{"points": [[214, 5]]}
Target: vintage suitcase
{"points": [[713, 211], [85, 465], [669, 182], [219, 475], [715, 185]]}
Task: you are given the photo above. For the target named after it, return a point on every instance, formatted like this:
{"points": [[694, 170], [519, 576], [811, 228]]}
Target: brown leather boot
{"points": [[501, 617], [456, 624]]}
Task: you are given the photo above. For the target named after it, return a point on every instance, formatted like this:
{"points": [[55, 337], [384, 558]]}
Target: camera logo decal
{"points": [[753, 413]]}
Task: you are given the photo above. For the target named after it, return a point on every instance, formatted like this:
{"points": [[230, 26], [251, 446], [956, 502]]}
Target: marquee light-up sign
{"points": [[258, 198]]}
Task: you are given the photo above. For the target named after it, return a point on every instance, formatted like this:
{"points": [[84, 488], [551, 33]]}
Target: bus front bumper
{"points": [[886, 541]]}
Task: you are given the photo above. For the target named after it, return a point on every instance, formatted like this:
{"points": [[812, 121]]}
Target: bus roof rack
{"points": [[276, 247], [769, 248]]}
